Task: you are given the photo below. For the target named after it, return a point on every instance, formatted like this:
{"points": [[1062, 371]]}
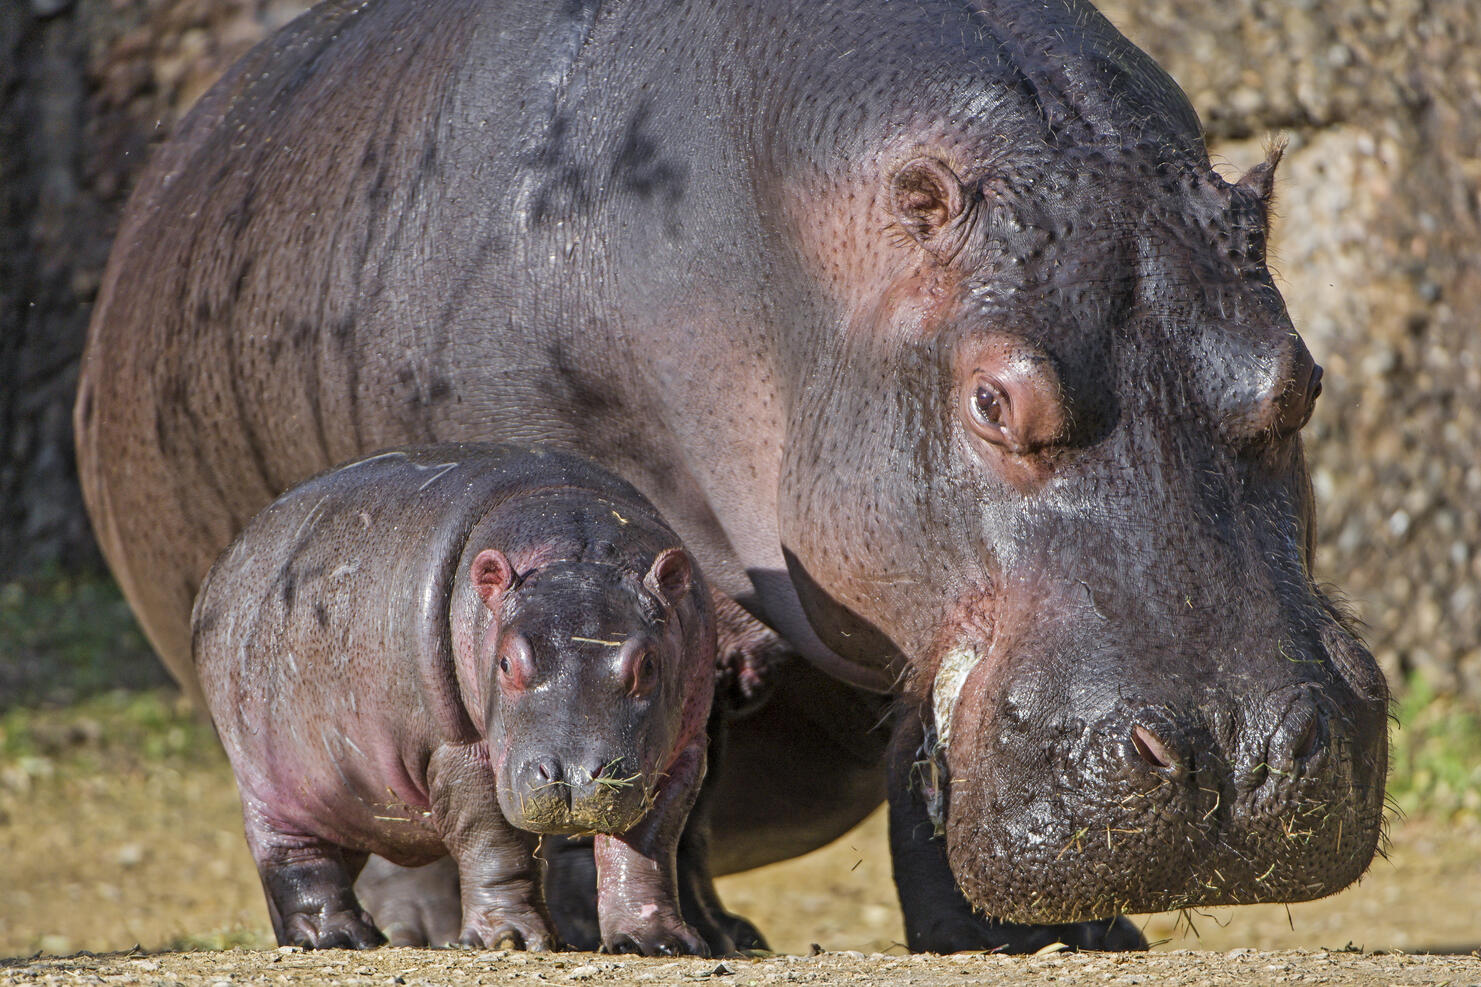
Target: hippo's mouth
{"points": [[607, 805], [1089, 835]]}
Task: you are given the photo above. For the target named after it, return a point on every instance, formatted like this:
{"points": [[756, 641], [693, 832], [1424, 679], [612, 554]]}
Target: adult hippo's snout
{"points": [[1081, 788]]}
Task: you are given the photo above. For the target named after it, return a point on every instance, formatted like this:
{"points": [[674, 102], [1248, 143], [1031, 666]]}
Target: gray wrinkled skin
{"points": [[928, 326]]}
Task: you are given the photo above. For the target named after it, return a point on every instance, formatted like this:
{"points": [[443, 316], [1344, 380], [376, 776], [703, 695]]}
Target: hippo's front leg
{"points": [[496, 863], [938, 917], [637, 873]]}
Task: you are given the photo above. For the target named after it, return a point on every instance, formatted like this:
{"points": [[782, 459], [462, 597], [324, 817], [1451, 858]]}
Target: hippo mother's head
{"points": [[1053, 462]]}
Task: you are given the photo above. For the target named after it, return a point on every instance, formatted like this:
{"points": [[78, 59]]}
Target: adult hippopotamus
{"points": [[443, 650], [928, 326]]}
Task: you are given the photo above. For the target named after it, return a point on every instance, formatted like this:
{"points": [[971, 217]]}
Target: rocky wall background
{"points": [[86, 88], [1378, 247]]}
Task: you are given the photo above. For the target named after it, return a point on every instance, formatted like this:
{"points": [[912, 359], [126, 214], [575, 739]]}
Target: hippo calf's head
{"points": [[585, 705], [1053, 467]]}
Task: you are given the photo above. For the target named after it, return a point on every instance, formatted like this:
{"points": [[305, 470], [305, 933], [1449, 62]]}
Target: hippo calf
{"points": [[444, 651]]}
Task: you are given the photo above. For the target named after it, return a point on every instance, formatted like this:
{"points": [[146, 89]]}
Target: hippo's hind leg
{"points": [[938, 917], [308, 886], [571, 890], [724, 931], [413, 906]]}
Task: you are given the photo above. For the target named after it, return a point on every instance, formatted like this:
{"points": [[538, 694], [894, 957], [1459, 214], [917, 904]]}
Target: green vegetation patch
{"points": [[1435, 757], [113, 732]]}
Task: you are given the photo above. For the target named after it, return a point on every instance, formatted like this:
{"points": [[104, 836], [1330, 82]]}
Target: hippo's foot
{"points": [[728, 933], [749, 655], [413, 906], [653, 937], [972, 933], [313, 907], [334, 930], [724, 932], [571, 890], [526, 929]]}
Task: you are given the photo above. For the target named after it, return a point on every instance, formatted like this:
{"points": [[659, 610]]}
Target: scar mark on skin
{"points": [[947, 689], [441, 469], [309, 517], [374, 459]]}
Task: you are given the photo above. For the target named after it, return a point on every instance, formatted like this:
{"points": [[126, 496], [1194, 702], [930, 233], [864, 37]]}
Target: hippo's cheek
{"points": [[1054, 818]]}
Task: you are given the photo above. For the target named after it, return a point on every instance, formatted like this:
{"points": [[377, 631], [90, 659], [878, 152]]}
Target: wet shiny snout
{"points": [[1233, 793], [584, 794]]}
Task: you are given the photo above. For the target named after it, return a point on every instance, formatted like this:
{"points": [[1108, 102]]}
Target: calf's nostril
{"points": [[1152, 748], [547, 771]]}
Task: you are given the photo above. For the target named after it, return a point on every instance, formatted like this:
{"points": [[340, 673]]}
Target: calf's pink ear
{"points": [[491, 574], [670, 575]]}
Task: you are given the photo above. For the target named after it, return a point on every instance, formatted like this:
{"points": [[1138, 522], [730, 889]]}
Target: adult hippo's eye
{"points": [[988, 411], [989, 408], [1009, 396]]}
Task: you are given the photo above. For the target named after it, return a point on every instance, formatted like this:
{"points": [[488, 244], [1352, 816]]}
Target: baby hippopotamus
{"points": [[448, 650]]}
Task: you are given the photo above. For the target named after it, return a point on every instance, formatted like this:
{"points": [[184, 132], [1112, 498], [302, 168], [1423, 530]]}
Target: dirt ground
{"points": [[104, 845], [417, 967]]}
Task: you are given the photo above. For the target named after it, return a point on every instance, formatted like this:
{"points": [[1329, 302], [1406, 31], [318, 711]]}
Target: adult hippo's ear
{"points": [[1261, 180], [930, 203], [670, 575], [491, 575]]}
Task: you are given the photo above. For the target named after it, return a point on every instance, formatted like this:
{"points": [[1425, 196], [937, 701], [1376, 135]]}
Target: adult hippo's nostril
{"points": [[1298, 738], [1154, 750]]}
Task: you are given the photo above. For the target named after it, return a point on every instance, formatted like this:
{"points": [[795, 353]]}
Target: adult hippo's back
{"points": [[926, 324]]}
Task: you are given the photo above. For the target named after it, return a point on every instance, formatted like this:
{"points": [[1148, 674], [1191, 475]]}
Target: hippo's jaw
{"points": [[1262, 788]]}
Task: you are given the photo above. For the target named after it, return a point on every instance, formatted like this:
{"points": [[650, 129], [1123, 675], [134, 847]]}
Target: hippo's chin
{"points": [[1090, 837]]}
